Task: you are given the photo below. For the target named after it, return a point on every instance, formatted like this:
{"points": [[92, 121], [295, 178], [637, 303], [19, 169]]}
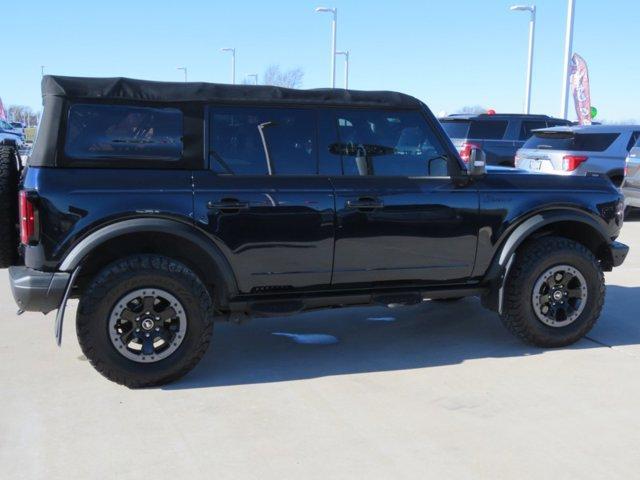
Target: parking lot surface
{"points": [[436, 390]]}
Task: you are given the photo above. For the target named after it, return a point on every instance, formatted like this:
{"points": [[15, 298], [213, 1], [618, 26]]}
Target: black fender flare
{"points": [[186, 232], [503, 258]]}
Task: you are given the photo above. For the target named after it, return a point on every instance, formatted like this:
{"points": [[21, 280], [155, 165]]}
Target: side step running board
{"points": [[291, 305]]}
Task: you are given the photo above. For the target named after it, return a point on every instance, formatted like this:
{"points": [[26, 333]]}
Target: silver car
{"points": [[579, 150], [631, 185]]}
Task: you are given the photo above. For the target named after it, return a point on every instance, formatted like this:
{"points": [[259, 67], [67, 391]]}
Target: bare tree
{"points": [[472, 109], [290, 78], [24, 114]]}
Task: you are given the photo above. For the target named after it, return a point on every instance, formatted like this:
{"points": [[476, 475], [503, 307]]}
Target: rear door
{"points": [[400, 218], [262, 200]]}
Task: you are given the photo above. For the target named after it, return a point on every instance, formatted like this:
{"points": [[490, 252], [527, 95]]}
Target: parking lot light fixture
{"points": [[184, 69], [532, 26], [346, 68], [568, 45], [334, 28], [233, 63]]}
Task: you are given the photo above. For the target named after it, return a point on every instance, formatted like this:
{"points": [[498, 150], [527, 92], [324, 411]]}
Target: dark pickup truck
{"points": [[498, 135], [164, 206]]}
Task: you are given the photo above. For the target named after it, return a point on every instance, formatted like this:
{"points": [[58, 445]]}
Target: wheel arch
{"points": [[570, 224], [173, 239]]}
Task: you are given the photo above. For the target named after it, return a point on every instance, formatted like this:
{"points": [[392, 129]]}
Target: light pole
{"points": [[233, 63], [568, 41], [334, 28], [532, 26], [346, 68], [255, 77], [42, 67], [185, 72]]}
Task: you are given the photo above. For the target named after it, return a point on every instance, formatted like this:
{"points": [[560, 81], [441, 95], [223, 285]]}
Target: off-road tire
{"points": [[8, 206], [122, 277], [534, 258]]}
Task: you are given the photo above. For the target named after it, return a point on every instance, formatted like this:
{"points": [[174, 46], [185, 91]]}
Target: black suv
{"points": [[499, 136], [162, 206]]}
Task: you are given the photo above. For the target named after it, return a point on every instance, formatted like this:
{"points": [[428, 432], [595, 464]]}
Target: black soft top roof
{"points": [[120, 88]]}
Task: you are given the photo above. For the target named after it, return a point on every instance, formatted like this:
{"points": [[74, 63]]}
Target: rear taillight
{"points": [[571, 162], [465, 151], [28, 219]]}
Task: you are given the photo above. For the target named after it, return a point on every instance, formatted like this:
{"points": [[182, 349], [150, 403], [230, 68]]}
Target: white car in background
{"points": [[579, 150]]}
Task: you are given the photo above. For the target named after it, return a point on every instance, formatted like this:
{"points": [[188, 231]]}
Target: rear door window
{"points": [[114, 134], [488, 129], [263, 141], [456, 128], [579, 142]]}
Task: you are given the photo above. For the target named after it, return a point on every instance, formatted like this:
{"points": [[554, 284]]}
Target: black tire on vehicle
{"points": [[159, 278], [8, 205], [524, 304], [447, 300]]}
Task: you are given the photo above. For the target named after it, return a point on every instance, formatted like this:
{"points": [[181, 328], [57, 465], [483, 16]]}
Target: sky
{"points": [[448, 53]]}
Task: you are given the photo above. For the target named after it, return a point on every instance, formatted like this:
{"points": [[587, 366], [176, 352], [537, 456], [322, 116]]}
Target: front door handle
{"points": [[228, 205], [365, 203]]}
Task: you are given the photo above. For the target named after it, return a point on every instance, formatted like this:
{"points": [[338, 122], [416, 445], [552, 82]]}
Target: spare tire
{"points": [[8, 205]]}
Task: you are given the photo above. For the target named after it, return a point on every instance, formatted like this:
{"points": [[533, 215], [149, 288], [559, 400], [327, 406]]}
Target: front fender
{"points": [[505, 254]]}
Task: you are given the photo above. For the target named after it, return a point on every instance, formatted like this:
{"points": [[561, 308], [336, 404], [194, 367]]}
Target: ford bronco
{"points": [[165, 206]]}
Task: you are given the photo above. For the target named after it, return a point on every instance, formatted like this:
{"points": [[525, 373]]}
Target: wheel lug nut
{"points": [[137, 329], [146, 334], [157, 329]]}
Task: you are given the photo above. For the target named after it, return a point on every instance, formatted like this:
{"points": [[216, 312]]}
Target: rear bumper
{"points": [[36, 291], [619, 252]]}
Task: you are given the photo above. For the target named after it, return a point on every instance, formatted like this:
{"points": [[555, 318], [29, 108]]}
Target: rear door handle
{"points": [[365, 203], [228, 205]]}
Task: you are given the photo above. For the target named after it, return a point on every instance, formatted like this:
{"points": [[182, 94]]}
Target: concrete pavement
{"points": [[431, 391]]}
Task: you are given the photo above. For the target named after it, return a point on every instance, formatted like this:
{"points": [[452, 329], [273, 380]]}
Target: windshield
{"points": [[456, 129], [5, 125], [579, 142]]}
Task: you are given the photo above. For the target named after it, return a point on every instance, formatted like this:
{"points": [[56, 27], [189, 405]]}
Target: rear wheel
{"points": [[554, 293], [8, 205], [145, 320]]}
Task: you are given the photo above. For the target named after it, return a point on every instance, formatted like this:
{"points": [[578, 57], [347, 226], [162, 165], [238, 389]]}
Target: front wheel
{"points": [[145, 321], [554, 293]]}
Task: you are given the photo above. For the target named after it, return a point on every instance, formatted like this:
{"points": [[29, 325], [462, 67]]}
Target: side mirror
{"points": [[477, 163]]}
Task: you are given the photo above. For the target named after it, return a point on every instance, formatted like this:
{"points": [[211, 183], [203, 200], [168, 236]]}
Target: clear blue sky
{"points": [[449, 53]]}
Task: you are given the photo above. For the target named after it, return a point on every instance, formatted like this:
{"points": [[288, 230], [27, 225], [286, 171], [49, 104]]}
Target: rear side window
{"points": [[381, 143], [456, 128], [579, 142], [527, 126], [118, 133], [488, 129], [260, 141]]}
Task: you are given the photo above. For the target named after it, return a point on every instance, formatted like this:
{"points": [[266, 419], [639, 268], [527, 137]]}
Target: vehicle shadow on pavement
{"points": [[377, 339]]}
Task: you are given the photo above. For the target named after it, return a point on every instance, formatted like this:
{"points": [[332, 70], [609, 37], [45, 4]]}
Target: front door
{"points": [[262, 201], [399, 216]]}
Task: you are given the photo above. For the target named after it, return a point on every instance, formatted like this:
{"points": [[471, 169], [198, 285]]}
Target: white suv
{"points": [[579, 150]]}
